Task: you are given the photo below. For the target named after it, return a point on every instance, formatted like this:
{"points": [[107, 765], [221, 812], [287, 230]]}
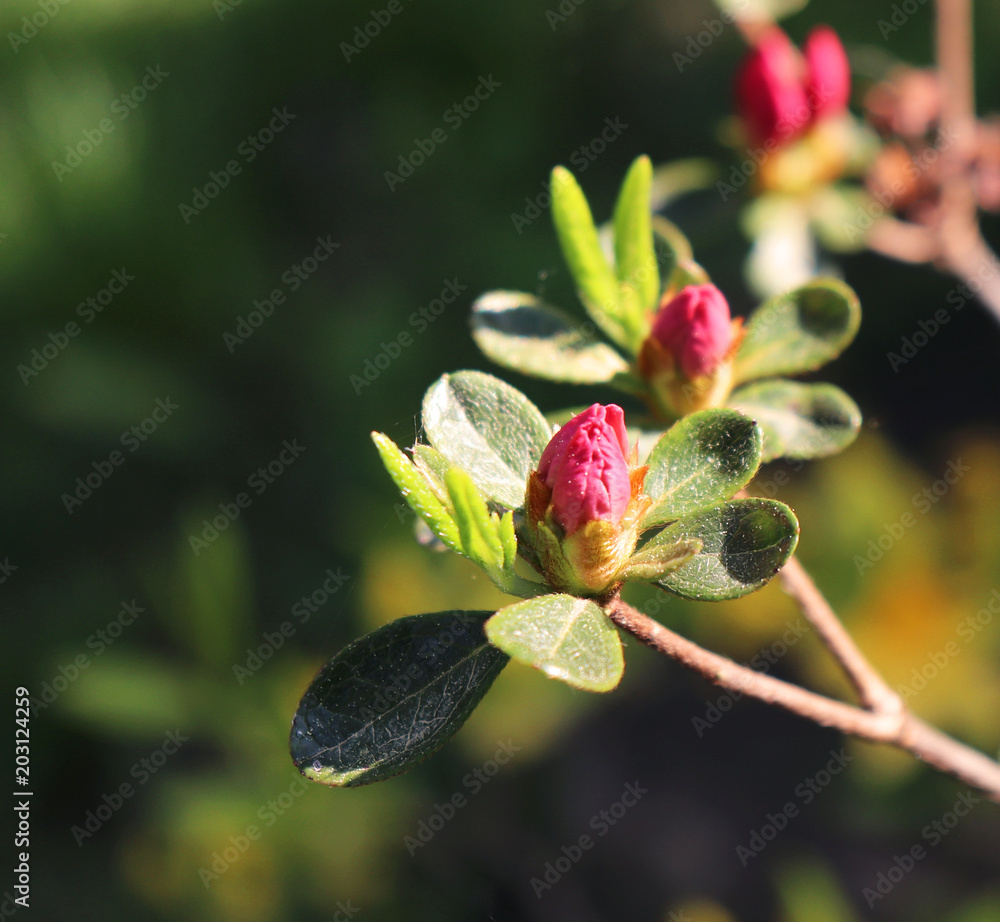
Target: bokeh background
{"points": [[221, 71]]}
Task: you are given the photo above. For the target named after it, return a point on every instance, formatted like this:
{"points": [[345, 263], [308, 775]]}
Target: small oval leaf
{"points": [[393, 697], [567, 638], [800, 420], [519, 331], [489, 429], [798, 331], [700, 461], [744, 544]]}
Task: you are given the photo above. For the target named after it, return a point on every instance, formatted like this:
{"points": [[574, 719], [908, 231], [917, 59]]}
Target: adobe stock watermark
{"points": [[372, 368], [581, 158], [132, 438], [140, 772], [98, 642], [31, 26], [258, 481], [292, 278], [454, 117], [957, 297], [600, 824], [558, 16], [805, 793], [968, 630], [365, 34], [88, 310], [761, 661], [248, 150], [899, 16], [303, 610], [473, 782], [701, 40], [923, 501], [122, 107], [933, 834]]}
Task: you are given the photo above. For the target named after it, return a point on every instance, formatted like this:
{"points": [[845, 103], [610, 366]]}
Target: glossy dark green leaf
{"points": [[567, 638], [798, 331], [519, 331], [744, 544], [799, 420], [489, 429], [700, 461], [393, 697]]}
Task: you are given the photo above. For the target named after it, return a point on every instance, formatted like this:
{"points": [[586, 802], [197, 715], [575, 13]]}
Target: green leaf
{"points": [[489, 429], [417, 491], [479, 531], [635, 259], [393, 697], [798, 331], [519, 331], [799, 420], [654, 562], [567, 638], [581, 248], [744, 544], [700, 461]]}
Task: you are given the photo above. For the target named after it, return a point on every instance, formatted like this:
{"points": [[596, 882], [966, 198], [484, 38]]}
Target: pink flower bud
{"points": [[770, 93], [829, 74], [696, 329], [585, 465]]}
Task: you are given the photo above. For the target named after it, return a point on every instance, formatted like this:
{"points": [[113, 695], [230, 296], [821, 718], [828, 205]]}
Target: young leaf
{"points": [[798, 331], [393, 697], [744, 544], [654, 562], [799, 420], [635, 258], [567, 638], [700, 461], [581, 248], [417, 491], [489, 429], [479, 532], [519, 331]]}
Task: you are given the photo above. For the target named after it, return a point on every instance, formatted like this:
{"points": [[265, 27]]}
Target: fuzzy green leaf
{"points": [[798, 331], [799, 420], [652, 563], [519, 331], [418, 491], [700, 461], [489, 429], [635, 259], [391, 698], [744, 544], [595, 279], [477, 528], [567, 638]]}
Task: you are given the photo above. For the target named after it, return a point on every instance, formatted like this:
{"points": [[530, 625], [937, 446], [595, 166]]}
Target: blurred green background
{"points": [[174, 848]]}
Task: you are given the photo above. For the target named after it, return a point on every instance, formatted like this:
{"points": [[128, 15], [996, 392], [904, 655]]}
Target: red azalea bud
{"points": [[770, 94], [586, 468], [695, 328], [829, 73]]}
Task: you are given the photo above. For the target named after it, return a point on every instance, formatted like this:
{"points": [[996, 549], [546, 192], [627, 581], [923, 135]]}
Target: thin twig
{"points": [[901, 729], [873, 692]]}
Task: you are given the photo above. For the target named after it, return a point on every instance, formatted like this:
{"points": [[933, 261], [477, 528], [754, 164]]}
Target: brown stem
{"points": [[901, 728], [873, 692]]}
